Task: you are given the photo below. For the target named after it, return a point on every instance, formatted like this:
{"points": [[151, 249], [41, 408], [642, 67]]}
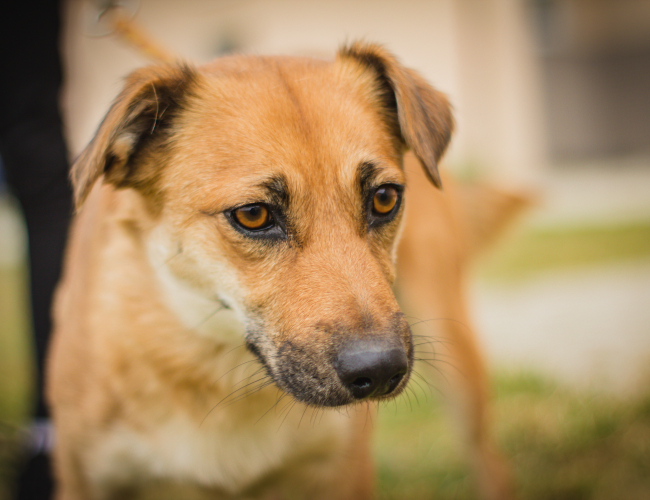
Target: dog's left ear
{"points": [[421, 115]]}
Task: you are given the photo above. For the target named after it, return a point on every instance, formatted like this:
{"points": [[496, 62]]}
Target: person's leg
{"points": [[36, 168]]}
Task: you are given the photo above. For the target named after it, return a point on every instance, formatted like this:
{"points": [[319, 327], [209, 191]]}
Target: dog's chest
{"points": [[228, 458]]}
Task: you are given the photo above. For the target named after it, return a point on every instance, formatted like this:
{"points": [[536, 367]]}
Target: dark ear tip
{"points": [[371, 54], [433, 175]]}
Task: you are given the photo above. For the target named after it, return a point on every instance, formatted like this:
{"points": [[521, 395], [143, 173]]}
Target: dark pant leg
{"points": [[36, 168], [33, 150]]}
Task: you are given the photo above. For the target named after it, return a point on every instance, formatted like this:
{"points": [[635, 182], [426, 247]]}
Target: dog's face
{"points": [[277, 187]]}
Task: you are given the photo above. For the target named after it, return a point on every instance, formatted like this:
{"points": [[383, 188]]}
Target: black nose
{"points": [[371, 367]]}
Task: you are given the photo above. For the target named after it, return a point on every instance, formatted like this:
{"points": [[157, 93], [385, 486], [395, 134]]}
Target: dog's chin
{"points": [[317, 384]]}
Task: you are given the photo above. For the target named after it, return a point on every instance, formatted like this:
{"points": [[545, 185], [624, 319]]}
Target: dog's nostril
{"points": [[371, 367], [362, 383]]}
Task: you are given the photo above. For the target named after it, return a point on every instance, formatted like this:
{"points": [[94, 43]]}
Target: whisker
{"points": [[433, 340], [263, 385], [420, 386], [230, 395], [405, 393], [255, 373], [438, 361], [274, 405], [286, 406], [431, 386], [451, 320], [303, 415], [242, 388], [218, 309], [414, 395], [295, 401], [437, 354], [243, 344], [240, 364], [444, 376], [312, 419], [365, 421]]}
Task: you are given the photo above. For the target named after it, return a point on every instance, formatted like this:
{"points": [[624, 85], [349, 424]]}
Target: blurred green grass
{"points": [[15, 368], [561, 444], [530, 251], [15, 348]]}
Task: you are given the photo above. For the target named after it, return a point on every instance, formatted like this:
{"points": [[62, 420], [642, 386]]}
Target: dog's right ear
{"points": [[419, 114], [138, 121]]}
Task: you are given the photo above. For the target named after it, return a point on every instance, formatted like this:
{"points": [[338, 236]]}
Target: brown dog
{"points": [[266, 192]]}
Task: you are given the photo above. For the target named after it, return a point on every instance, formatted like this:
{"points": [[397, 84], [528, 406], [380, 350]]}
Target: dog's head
{"points": [[276, 184]]}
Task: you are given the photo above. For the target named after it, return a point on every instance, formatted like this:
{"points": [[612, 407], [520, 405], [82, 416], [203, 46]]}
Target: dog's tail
{"points": [[488, 210]]}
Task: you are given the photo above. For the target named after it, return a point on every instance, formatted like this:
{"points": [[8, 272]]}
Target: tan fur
{"points": [[443, 232], [148, 370]]}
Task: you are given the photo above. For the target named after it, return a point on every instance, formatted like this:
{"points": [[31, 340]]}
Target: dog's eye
{"points": [[253, 217], [384, 200]]}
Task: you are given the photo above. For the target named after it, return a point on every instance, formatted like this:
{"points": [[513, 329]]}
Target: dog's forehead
{"points": [[305, 120]]}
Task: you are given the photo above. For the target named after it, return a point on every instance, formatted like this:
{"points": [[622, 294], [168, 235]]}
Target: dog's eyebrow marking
{"points": [[279, 195], [277, 187], [369, 171], [366, 172]]}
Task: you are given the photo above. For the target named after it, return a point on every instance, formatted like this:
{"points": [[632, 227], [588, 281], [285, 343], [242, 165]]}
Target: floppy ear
{"points": [[137, 123], [421, 115]]}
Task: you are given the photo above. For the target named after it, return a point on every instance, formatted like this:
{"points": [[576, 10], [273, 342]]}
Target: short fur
{"points": [[150, 376]]}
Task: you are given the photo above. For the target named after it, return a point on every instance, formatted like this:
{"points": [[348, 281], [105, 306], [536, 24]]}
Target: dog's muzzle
{"points": [[345, 367]]}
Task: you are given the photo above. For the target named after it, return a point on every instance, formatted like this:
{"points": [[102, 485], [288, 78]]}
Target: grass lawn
{"points": [[560, 444], [14, 365]]}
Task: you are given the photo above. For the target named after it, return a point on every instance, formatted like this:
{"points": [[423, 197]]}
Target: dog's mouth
{"points": [[359, 370]]}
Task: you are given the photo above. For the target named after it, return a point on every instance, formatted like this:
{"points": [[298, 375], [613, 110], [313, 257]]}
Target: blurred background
{"points": [[551, 97]]}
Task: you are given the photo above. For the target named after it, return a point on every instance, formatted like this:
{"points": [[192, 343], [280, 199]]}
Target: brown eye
{"points": [[384, 200], [253, 217]]}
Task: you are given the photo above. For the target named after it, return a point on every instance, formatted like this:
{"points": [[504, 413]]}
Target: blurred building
{"points": [[595, 61], [533, 82], [479, 52]]}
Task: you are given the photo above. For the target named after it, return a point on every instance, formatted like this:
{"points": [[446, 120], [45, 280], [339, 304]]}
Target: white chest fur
{"points": [[230, 454]]}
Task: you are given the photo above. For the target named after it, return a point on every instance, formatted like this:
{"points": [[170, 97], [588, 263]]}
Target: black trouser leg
{"points": [[36, 167]]}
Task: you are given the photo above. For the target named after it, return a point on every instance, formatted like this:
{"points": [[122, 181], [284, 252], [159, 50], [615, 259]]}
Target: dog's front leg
{"points": [[77, 479], [71, 484], [451, 360], [464, 382]]}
